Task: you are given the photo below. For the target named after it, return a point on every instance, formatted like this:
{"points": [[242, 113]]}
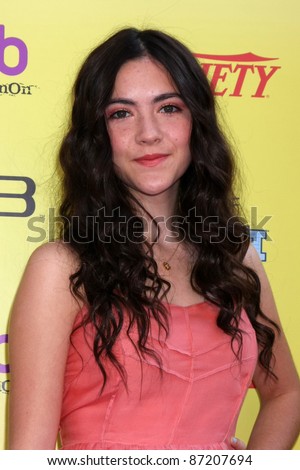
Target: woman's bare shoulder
{"points": [[252, 259], [57, 252], [45, 284]]}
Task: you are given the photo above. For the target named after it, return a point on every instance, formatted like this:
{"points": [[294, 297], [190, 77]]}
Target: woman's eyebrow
{"points": [[166, 96], [156, 99], [120, 101]]}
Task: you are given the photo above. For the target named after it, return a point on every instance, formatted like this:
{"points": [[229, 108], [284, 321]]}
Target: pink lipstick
{"points": [[152, 159]]}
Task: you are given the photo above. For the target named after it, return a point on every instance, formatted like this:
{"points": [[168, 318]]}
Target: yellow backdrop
{"points": [[249, 50]]}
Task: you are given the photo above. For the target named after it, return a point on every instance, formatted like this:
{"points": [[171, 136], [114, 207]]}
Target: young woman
{"points": [[145, 324]]}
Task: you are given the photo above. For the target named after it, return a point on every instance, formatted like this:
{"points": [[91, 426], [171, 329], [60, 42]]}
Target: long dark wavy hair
{"points": [[117, 274]]}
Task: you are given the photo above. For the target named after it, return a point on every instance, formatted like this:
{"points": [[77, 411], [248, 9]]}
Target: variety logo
{"points": [[24, 196], [231, 74]]}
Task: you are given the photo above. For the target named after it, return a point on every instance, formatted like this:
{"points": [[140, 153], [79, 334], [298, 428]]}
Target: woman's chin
{"points": [[153, 190]]}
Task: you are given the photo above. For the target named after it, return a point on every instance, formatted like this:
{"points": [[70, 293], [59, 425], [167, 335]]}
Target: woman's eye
{"points": [[120, 114], [169, 108]]}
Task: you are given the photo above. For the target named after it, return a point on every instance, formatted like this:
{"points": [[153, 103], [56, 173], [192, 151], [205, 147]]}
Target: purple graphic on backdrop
{"points": [[22, 49], [4, 368]]}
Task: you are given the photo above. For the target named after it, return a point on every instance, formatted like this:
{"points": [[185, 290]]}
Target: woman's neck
{"points": [[158, 211]]}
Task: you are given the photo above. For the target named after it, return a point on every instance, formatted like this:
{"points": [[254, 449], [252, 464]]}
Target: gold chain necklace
{"points": [[166, 263]]}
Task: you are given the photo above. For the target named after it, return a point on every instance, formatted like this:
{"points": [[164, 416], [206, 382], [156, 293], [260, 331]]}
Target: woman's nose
{"points": [[148, 130]]}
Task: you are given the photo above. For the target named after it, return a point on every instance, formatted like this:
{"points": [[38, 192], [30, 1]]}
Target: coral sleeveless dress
{"points": [[192, 402]]}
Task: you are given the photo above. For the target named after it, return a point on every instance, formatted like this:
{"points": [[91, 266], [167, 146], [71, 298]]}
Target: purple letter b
{"points": [[23, 54]]}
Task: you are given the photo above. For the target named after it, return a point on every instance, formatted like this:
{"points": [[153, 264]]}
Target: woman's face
{"points": [[149, 127]]}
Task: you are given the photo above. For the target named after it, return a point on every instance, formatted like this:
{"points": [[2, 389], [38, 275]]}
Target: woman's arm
{"points": [[41, 321], [278, 423]]}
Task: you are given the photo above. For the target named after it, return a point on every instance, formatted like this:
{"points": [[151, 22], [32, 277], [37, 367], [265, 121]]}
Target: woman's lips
{"points": [[152, 159]]}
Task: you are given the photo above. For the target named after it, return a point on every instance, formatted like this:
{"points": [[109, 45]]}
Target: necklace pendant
{"points": [[166, 265]]}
